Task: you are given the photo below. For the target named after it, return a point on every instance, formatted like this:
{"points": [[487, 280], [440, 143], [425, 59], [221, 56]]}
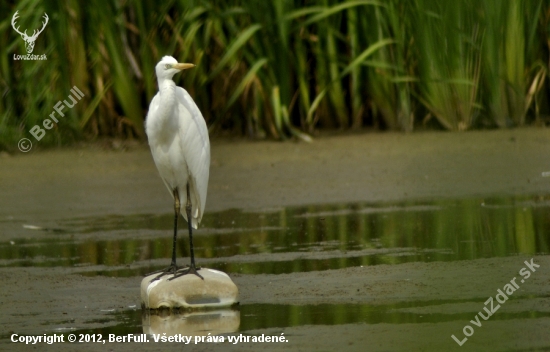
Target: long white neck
{"points": [[167, 106]]}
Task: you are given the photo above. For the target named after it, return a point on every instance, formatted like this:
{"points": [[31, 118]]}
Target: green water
{"points": [[300, 239], [265, 316], [322, 237]]}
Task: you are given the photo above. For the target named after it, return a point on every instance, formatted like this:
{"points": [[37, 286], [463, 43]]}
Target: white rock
{"points": [[194, 323], [189, 291]]}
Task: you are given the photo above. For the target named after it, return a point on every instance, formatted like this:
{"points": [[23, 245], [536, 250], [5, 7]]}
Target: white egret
{"points": [[178, 138]]}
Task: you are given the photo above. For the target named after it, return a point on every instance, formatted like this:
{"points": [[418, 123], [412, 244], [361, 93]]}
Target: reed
{"points": [[508, 41], [279, 69], [448, 44]]}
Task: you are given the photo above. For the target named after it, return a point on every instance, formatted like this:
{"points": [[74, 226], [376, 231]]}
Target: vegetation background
{"points": [[278, 69]]}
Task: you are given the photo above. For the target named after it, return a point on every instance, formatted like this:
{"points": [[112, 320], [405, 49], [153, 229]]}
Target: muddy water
{"points": [[403, 271], [299, 240]]}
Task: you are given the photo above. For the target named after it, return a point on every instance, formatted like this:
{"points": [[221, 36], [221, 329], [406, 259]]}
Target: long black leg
{"points": [[193, 268], [176, 215], [173, 267]]}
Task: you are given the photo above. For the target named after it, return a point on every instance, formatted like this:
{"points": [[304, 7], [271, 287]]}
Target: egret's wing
{"points": [[153, 107], [151, 129], [195, 145]]}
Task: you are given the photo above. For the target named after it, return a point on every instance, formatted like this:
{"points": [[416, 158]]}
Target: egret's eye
{"points": [[167, 66]]}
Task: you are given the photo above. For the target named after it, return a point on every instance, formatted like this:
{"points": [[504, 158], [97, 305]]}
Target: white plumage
{"points": [[179, 142]]}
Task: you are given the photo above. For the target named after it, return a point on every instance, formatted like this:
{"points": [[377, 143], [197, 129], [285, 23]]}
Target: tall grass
{"points": [[508, 42], [450, 70], [279, 69], [388, 78]]}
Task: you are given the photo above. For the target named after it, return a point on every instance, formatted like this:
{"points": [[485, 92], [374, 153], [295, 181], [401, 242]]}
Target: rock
{"points": [[189, 291], [194, 323]]}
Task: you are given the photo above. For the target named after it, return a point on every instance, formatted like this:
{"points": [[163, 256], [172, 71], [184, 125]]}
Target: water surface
{"points": [[300, 239]]}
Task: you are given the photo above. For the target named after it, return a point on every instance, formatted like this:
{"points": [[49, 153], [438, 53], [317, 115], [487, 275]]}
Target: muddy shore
{"points": [[45, 187]]}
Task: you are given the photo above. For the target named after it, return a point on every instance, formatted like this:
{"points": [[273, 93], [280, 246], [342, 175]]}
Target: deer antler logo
{"points": [[29, 41]]}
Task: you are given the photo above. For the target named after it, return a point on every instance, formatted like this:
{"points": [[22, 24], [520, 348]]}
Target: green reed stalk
{"points": [[278, 68]]}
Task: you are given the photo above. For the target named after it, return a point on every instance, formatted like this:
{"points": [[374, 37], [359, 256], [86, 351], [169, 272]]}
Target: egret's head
{"points": [[168, 67]]}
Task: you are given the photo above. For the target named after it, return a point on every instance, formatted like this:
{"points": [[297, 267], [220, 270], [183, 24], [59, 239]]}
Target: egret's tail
{"points": [[196, 213], [195, 220]]}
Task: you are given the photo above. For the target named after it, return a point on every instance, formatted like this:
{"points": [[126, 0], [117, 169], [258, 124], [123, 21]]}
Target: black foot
{"points": [[188, 270], [172, 269]]}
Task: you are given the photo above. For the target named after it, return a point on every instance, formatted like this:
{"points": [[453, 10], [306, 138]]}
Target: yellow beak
{"points": [[183, 66]]}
